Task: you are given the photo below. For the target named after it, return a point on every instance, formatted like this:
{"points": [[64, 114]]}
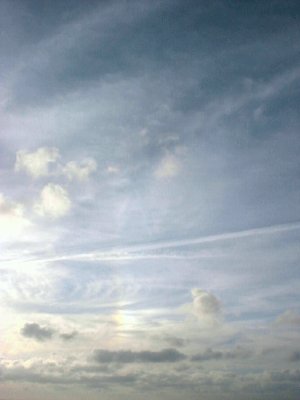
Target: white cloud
{"points": [[205, 304], [80, 171], [36, 163], [12, 219], [168, 167], [113, 169], [54, 201]]}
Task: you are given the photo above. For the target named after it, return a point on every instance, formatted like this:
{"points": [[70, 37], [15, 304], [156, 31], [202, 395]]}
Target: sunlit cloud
{"points": [[168, 167], [36, 164], [79, 171], [13, 222], [54, 201]]}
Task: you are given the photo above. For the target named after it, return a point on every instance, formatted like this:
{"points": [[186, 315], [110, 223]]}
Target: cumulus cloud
{"points": [[12, 219], [54, 201], [37, 332], [205, 304], [128, 356], [168, 167], [36, 164], [80, 171]]}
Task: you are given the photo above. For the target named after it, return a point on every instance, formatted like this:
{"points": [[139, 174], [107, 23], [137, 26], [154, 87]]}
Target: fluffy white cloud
{"points": [[54, 201], [12, 219], [168, 167], [80, 171], [205, 304], [36, 163]]}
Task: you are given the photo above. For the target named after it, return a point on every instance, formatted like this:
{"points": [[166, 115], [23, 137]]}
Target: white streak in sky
{"points": [[137, 252]]}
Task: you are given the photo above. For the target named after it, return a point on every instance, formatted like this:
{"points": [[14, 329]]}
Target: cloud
{"points": [[68, 336], [168, 167], [294, 356], [128, 356], [37, 332], [210, 354], [36, 164], [12, 219], [175, 341], [205, 304], [289, 317], [112, 169], [80, 171], [54, 201]]}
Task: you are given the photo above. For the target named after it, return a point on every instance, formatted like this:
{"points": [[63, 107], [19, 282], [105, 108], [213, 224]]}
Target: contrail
{"points": [[269, 230], [141, 251]]}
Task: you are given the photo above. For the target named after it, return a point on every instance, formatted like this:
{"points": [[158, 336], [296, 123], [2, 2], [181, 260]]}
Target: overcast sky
{"points": [[149, 200]]}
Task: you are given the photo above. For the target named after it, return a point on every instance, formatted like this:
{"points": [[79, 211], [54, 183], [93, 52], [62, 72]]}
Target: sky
{"points": [[149, 200]]}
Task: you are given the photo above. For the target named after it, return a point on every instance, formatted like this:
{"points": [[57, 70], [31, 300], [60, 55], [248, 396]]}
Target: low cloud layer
{"points": [[128, 356], [210, 355]]}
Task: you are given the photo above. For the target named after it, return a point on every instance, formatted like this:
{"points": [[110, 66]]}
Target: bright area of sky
{"points": [[149, 200]]}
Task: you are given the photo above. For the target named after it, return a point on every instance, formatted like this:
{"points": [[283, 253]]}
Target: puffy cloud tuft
{"points": [[80, 171], [36, 164], [205, 304], [54, 201]]}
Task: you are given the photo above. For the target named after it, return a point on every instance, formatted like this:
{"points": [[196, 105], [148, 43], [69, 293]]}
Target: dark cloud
{"points": [[294, 356], [210, 354], [175, 341], [33, 375], [68, 336], [37, 332], [128, 356], [42, 333], [286, 376]]}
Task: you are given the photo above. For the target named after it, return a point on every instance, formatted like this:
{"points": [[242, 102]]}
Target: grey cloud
{"points": [[128, 356], [210, 354], [175, 341], [285, 376], [68, 336], [205, 303], [32, 375], [37, 332], [294, 356], [42, 333]]}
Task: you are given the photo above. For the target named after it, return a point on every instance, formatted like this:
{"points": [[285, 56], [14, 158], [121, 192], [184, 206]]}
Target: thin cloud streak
{"points": [[132, 252]]}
